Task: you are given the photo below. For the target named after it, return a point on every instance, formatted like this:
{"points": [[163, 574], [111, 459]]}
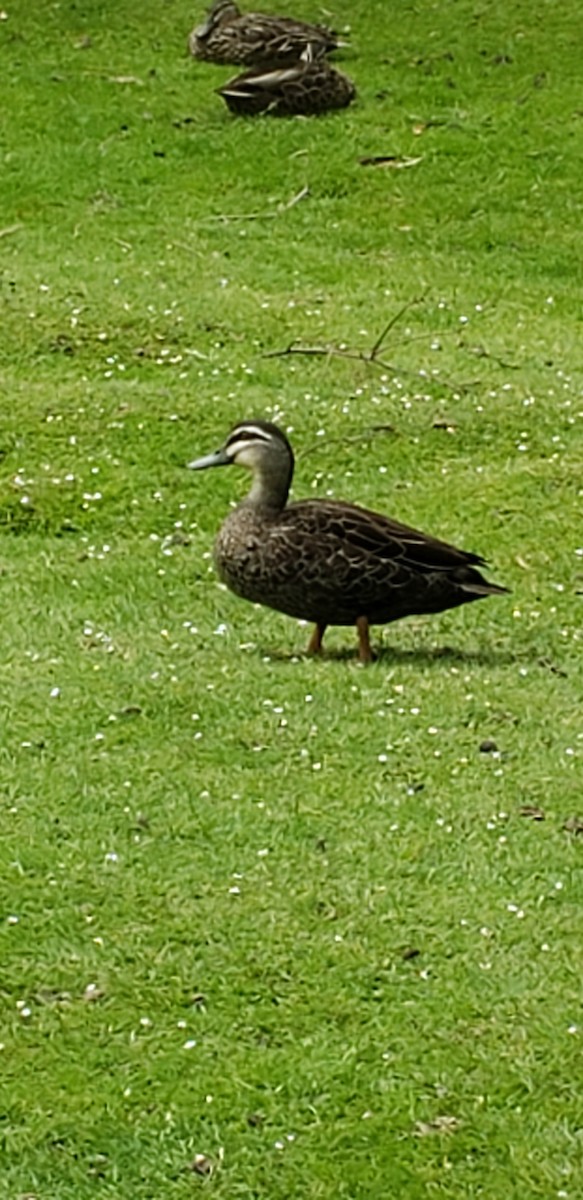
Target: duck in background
{"points": [[255, 39]]}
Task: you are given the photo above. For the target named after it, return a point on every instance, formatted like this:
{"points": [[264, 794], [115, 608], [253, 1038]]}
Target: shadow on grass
{"points": [[391, 655]]}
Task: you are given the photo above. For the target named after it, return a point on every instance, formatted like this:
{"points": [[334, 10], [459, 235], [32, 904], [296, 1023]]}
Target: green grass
{"points": [[226, 843]]}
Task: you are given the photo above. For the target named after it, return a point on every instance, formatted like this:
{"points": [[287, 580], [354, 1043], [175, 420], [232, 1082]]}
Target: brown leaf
{"points": [[533, 811], [488, 746], [389, 160], [551, 666], [52, 996], [410, 952], [573, 825], [202, 1165], [442, 1124], [93, 993], [125, 79]]}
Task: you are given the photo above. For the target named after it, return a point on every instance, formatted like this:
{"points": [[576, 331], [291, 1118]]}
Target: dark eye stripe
{"points": [[247, 433]]}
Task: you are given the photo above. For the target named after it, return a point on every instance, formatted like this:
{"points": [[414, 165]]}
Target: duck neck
{"points": [[270, 488]]}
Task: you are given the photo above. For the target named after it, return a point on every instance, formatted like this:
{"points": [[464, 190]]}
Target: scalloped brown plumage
{"points": [[327, 561], [255, 39], [305, 88]]}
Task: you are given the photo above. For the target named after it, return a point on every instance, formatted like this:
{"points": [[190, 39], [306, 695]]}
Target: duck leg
{"points": [[365, 654], [315, 642]]}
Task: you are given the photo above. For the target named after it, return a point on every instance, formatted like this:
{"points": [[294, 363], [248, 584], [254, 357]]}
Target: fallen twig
{"points": [[366, 356], [261, 216], [301, 195], [481, 352], [372, 356], [390, 325]]}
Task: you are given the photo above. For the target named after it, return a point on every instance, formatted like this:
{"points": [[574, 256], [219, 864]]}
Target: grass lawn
{"points": [[317, 924]]}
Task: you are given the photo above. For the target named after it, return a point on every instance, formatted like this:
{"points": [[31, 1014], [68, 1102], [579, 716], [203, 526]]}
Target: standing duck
{"points": [[326, 561], [253, 39]]}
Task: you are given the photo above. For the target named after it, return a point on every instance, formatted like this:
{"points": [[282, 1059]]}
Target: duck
{"points": [[253, 39], [304, 88], [325, 561]]}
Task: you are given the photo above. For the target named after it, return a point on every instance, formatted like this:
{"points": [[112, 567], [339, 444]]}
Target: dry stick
{"points": [[481, 352], [327, 352], [301, 195], [370, 356], [392, 323], [359, 356], [261, 216]]}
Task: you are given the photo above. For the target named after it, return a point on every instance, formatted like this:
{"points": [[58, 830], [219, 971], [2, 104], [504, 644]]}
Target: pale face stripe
{"points": [[244, 436], [250, 431]]}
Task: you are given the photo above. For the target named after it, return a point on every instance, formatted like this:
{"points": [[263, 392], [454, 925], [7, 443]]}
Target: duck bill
{"points": [[217, 459]]}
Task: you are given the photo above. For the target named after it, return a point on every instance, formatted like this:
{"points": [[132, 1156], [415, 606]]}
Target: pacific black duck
{"points": [[253, 39], [304, 88], [327, 561]]}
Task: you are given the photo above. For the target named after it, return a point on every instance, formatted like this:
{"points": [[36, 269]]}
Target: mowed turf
{"points": [[318, 925]]}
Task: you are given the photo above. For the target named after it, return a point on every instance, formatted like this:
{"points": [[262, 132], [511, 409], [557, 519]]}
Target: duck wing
{"points": [[332, 562], [257, 40], [308, 86], [268, 38], [360, 533], [260, 91]]}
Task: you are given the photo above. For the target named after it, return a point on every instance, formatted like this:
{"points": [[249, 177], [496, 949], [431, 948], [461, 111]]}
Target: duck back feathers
{"points": [[305, 88], [254, 39]]}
